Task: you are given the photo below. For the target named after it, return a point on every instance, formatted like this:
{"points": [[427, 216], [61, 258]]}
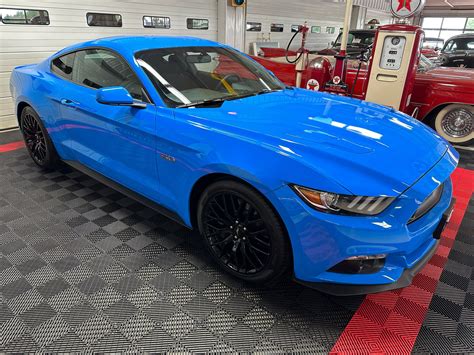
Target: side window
{"points": [[447, 46], [104, 20], [24, 17], [62, 66], [470, 45], [98, 68]]}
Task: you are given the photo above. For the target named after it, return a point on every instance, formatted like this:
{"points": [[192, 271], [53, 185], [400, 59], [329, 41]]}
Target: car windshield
{"points": [[425, 64], [359, 39], [193, 76]]}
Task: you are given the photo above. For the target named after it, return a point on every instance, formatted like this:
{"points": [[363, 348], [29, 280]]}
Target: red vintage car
{"points": [[442, 98]]}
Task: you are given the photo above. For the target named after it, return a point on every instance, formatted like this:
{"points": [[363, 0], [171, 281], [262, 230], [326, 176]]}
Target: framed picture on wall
{"points": [[295, 28], [315, 29]]}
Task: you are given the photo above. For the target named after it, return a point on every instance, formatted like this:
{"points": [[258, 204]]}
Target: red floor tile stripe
{"points": [[389, 322], [11, 146]]}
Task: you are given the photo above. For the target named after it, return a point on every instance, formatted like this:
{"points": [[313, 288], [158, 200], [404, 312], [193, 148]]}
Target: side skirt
{"points": [[126, 191]]}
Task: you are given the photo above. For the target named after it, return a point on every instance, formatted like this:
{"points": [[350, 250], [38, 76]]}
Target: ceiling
{"points": [[455, 4]]}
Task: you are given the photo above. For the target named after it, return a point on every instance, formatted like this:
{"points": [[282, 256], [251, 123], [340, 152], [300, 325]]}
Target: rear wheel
{"points": [[37, 140], [455, 123], [243, 233]]}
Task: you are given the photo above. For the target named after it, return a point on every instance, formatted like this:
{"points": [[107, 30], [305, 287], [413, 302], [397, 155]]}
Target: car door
{"points": [[470, 53], [116, 141]]}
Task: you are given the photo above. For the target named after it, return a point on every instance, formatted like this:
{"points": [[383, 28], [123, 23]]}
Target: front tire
{"points": [[243, 233], [37, 140], [455, 123]]}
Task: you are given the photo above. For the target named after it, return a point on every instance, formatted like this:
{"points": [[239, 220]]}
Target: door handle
{"points": [[70, 103]]}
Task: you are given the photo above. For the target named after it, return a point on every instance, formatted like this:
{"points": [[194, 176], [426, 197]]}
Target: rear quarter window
{"points": [[63, 65]]}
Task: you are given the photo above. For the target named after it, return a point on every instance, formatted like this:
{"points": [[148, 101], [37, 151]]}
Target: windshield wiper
{"points": [[266, 91], [208, 102], [219, 100]]}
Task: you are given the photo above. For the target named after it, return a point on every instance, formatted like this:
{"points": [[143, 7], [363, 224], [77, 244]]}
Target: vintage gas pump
{"points": [[395, 56], [301, 58], [392, 69]]}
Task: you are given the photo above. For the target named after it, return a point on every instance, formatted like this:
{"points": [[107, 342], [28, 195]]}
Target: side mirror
{"points": [[117, 96]]}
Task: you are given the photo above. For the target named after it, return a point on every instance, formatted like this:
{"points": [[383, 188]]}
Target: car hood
{"points": [[451, 79], [366, 148]]}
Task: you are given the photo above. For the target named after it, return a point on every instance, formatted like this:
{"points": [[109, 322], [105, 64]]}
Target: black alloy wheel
{"points": [[37, 140], [242, 232]]}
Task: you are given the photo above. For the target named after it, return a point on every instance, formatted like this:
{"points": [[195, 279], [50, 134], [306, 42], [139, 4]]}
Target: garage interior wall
{"points": [[288, 13], [26, 44], [323, 13]]}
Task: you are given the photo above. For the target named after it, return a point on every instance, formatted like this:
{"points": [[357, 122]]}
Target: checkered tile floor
{"points": [[84, 268], [449, 324]]}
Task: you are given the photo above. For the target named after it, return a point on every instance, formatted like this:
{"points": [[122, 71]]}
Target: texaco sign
{"points": [[406, 8]]}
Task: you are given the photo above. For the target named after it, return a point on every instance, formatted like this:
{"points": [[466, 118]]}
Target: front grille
{"points": [[427, 204]]}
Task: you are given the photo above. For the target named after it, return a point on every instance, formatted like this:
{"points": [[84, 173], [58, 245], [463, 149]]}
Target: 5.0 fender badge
{"points": [[167, 157]]}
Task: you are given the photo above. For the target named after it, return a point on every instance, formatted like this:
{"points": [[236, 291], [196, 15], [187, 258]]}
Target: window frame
{"points": [[294, 28], [253, 26], [274, 26], [26, 19], [147, 95], [151, 16], [61, 56], [103, 13], [195, 28], [463, 30]]}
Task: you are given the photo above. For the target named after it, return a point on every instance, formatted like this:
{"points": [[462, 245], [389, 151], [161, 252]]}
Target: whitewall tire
{"points": [[455, 123]]}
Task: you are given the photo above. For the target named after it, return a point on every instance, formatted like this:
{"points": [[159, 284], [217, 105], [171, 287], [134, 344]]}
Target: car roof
{"points": [[463, 35], [133, 44], [362, 31]]}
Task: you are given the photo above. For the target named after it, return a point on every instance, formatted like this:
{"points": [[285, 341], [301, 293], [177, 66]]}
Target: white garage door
{"points": [[324, 20], [324, 17], [27, 43]]}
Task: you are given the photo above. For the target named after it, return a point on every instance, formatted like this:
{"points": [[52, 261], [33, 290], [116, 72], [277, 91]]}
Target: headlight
{"points": [[343, 204]]}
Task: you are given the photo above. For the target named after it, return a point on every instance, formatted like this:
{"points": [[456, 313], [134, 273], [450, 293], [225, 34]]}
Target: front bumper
{"points": [[353, 289], [320, 240], [404, 280]]}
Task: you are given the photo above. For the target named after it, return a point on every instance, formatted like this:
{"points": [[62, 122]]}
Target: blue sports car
{"points": [[347, 196]]}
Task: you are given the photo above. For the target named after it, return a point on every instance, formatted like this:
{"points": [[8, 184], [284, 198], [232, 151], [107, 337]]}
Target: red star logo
{"points": [[404, 4]]}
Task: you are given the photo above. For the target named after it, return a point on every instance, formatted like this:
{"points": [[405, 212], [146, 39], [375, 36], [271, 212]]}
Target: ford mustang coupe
{"points": [[347, 196]]}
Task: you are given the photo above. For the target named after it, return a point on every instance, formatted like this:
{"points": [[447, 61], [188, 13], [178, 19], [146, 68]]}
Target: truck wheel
{"points": [[455, 123], [37, 139]]}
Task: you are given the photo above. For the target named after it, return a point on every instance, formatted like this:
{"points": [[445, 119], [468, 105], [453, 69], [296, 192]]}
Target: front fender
{"points": [[198, 150]]}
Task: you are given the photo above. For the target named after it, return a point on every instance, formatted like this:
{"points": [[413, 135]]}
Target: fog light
{"points": [[361, 264]]}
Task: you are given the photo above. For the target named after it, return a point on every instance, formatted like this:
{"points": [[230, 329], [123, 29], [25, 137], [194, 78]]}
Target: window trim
{"points": [[277, 25], [150, 101], [160, 28], [196, 18], [57, 57], [255, 24], [26, 23], [103, 13], [463, 30]]}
